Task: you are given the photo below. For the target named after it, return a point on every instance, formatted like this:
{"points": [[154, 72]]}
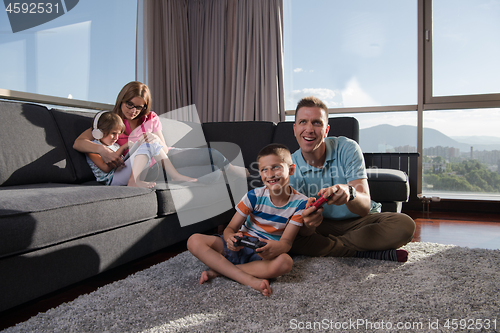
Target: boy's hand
{"points": [[230, 240], [272, 249], [312, 216]]}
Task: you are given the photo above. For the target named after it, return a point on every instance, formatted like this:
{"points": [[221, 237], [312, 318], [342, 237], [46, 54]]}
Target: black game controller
{"points": [[250, 242]]}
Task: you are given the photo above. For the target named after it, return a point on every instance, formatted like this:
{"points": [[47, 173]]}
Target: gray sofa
{"points": [[58, 226]]}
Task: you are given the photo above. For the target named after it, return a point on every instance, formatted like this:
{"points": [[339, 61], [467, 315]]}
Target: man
{"points": [[349, 224]]}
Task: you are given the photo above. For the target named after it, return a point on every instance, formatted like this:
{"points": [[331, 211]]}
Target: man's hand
{"points": [[337, 194]]}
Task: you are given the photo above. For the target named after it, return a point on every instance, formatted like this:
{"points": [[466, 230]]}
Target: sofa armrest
{"points": [[388, 185]]}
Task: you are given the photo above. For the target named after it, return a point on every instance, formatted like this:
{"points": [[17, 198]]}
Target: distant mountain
{"points": [[389, 136]]}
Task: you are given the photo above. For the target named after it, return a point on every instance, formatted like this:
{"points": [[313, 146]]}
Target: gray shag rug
{"points": [[441, 288]]}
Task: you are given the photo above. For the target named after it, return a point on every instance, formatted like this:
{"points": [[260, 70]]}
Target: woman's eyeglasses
{"points": [[131, 106]]}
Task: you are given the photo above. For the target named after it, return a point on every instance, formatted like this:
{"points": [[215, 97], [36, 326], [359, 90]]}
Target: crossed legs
{"points": [[210, 251], [374, 232]]}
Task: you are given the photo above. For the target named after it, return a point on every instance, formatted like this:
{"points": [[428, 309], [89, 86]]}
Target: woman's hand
{"points": [[84, 144], [110, 157], [149, 138]]}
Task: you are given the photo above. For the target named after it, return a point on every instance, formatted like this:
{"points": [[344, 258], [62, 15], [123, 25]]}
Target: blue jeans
{"points": [[243, 256]]}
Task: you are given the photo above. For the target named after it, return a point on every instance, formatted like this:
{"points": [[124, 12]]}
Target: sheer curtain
{"points": [[257, 61], [208, 23], [164, 52], [224, 56]]}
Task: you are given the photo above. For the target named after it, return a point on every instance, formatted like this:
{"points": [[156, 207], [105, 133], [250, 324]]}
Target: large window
{"points": [[461, 141], [356, 54], [386, 132], [465, 47], [461, 155], [418, 75], [86, 54], [351, 53]]}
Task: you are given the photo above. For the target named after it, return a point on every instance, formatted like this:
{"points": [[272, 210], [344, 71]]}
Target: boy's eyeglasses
{"points": [[132, 106]]}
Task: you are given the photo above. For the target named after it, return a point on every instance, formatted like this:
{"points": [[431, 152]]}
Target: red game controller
{"points": [[320, 202]]}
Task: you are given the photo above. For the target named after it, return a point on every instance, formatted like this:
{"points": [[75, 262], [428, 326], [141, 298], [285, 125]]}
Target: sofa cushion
{"points": [[214, 193], [72, 124], [193, 202], [40, 215], [251, 137], [32, 148], [284, 134], [388, 185]]}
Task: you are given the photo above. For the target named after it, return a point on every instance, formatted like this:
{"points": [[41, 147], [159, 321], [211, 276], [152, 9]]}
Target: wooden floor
{"points": [[468, 230], [471, 230]]}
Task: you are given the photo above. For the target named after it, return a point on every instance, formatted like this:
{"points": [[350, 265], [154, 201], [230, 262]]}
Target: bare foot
{"points": [[208, 275], [262, 286], [181, 178], [140, 183]]}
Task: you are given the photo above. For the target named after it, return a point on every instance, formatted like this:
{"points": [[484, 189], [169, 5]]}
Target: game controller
{"points": [[320, 202], [250, 242]]}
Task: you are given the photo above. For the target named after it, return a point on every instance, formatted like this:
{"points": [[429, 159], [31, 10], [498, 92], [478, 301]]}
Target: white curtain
{"points": [[224, 56]]}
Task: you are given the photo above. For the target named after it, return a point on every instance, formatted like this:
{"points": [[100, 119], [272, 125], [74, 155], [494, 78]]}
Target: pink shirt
{"points": [[149, 124]]}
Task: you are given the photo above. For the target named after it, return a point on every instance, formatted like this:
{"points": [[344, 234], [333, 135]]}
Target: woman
{"points": [[133, 105]]}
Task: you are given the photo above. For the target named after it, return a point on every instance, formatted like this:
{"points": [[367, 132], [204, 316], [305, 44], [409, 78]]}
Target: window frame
{"points": [[14, 95]]}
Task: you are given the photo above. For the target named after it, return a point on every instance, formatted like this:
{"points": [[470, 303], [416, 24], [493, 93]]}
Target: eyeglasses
{"points": [[131, 106]]}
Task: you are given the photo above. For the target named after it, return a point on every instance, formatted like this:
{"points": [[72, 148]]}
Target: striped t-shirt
{"points": [[264, 219]]}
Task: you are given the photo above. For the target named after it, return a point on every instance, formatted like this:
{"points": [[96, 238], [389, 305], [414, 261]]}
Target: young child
{"points": [[272, 213], [106, 129]]}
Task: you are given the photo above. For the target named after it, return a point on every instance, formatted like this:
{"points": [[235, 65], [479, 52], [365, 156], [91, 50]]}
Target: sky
{"points": [[348, 53], [87, 54], [364, 53]]}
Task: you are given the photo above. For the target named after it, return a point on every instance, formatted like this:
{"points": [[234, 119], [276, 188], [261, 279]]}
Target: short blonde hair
{"points": [[311, 101]]}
